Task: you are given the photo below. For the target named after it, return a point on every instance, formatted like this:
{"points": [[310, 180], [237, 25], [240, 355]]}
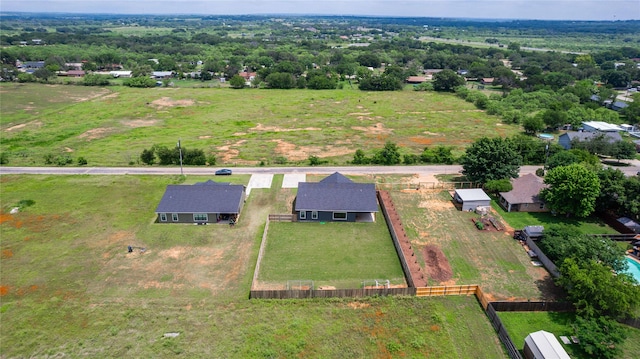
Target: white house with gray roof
{"points": [[471, 198], [336, 198], [201, 203], [567, 138]]}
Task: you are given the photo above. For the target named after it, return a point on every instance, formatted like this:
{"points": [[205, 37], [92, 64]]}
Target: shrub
{"points": [[501, 185], [82, 161]]}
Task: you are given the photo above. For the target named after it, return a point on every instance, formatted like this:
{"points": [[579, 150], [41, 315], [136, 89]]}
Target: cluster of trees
{"points": [[578, 184], [592, 272], [390, 155], [171, 156]]}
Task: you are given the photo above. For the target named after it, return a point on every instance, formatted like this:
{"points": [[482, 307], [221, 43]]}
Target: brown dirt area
{"points": [[36, 123], [262, 128], [377, 129], [96, 133], [298, 153], [167, 102], [139, 123], [436, 263]]}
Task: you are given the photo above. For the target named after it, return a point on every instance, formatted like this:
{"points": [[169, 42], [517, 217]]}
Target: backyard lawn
{"points": [[340, 255], [491, 259]]}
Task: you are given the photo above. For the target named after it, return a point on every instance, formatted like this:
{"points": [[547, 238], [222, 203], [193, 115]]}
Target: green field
{"points": [[341, 255], [69, 288], [111, 126]]}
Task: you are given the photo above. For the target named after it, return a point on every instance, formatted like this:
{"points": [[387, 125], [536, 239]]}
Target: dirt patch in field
{"points": [[436, 263], [358, 305], [228, 153], [167, 102], [298, 153], [95, 133], [36, 123], [377, 129], [262, 128], [91, 96], [139, 123]]}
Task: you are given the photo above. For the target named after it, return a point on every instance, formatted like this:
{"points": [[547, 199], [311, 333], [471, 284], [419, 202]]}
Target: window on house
{"points": [[541, 205], [303, 214], [174, 217], [339, 216], [314, 215], [200, 217], [163, 217]]}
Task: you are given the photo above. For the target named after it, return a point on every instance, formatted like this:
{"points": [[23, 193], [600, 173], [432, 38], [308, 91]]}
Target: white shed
{"points": [[543, 345], [472, 198]]}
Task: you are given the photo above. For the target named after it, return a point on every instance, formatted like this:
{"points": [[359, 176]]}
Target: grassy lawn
{"points": [[111, 126], [341, 255], [518, 220], [520, 324], [69, 288], [491, 259]]}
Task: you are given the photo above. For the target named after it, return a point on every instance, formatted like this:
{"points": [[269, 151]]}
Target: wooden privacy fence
{"points": [[426, 185], [282, 217], [533, 306], [446, 290]]}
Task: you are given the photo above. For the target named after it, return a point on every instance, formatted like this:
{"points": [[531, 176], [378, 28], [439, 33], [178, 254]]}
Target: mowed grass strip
{"points": [[336, 254], [518, 220]]}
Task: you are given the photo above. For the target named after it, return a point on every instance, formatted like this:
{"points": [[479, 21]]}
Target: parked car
{"points": [[223, 172]]}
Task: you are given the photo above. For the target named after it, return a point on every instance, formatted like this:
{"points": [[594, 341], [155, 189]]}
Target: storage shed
{"points": [[471, 198], [543, 345]]}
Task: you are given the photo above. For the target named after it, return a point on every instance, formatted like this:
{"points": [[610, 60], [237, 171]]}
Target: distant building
{"points": [[592, 126], [567, 138]]}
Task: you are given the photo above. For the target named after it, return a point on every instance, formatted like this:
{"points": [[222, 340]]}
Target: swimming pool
{"points": [[633, 269], [545, 136]]}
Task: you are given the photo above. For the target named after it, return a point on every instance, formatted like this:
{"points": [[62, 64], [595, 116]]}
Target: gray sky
{"points": [[493, 9]]}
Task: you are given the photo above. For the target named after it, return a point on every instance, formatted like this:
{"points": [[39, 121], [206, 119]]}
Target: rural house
{"points": [[471, 198], [523, 196], [201, 203], [336, 198], [566, 138]]}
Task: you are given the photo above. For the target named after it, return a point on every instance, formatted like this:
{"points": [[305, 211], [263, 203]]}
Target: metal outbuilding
{"points": [[543, 345], [472, 198]]}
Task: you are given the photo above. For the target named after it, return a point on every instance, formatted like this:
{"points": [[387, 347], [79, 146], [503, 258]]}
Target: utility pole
{"points": [[180, 150]]}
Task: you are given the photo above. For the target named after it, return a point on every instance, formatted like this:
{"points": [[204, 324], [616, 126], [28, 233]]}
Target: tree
{"points": [[148, 156], [632, 111], [438, 154], [496, 186], [237, 82], [599, 337], [533, 124], [561, 241], [572, 190], [490, 159], [281, 80], [562, 158], [359, 158], [596, 290], [389, 155], [554, 118], [446, 80], [141, 81]]}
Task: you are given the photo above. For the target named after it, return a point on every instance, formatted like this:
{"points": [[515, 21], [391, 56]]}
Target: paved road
{"points": [[203, 171]]}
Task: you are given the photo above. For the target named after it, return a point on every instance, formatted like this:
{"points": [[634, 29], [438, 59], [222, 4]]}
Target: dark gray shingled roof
{"points": [[336, 193], [525, 189], [204, 197]]}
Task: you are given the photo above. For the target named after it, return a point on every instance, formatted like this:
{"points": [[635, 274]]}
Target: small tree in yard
{"points": [[360, 158], [572, 190], [496, 186], [446, 80], [148, 157], [237, 82], [600, 337]]}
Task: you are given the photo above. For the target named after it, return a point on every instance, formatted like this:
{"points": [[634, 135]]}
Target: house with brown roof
{"points": [[416, 79], [524, 196]]}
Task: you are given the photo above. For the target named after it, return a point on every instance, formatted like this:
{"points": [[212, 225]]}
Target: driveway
{"points": [[259, 181], [291, 180]]}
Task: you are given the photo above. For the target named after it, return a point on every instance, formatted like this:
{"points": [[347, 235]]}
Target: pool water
{"points": [[633, 269]]}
